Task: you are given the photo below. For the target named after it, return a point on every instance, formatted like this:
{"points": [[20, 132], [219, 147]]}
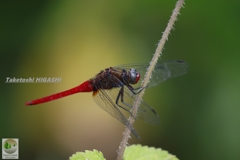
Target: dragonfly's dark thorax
{"points": [[107, 79]]}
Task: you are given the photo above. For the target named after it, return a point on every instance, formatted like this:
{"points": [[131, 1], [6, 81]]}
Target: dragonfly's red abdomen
{"points": [[84, 87]]}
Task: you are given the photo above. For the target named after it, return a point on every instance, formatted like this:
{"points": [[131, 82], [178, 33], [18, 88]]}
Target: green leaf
{"points": [[87, 155], [9, 146], [6, 145], [138, 152]]}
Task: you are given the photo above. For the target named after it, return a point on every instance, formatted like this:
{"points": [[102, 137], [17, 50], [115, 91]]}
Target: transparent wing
{"points": [[145, 111], [162, 72], [105, 101]]}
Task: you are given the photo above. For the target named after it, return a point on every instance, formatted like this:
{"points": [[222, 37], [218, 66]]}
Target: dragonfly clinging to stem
{"points": [[114, 89]]}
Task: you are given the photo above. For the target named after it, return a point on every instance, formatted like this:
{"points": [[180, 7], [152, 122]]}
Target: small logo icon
{"points": [[10, 148]]}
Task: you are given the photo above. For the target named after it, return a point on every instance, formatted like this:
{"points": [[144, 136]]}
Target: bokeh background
{"points": [[200, 111]]}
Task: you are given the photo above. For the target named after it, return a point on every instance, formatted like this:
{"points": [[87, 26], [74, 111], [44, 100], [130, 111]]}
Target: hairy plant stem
{"points": [[157, 54]]}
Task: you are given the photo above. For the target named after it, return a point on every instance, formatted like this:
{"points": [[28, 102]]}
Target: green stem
{"points": [[147, 77]]}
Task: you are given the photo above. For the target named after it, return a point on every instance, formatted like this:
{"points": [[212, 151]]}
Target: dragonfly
{"points": [[115, 88]]}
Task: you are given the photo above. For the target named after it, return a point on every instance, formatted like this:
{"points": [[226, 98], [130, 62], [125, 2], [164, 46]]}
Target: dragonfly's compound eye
{"points": [[133, 76]]}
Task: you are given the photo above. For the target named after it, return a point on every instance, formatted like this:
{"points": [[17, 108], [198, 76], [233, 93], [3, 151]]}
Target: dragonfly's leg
{"points": [[122, 100], [137, 88], [132, 89], [117, 100]]}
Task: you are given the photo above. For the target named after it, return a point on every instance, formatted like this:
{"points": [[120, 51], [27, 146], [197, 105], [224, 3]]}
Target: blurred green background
{"points": [[200, 111]]}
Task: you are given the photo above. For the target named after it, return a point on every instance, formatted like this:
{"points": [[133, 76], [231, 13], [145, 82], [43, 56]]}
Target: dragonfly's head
{"points": [[134, 76]]}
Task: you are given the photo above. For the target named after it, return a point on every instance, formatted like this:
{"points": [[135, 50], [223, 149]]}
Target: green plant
{"points": [[134, 152], [7, 145]]}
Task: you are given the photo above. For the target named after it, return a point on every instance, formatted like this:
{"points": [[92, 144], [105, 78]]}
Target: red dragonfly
{"points": [[114, 89]]}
